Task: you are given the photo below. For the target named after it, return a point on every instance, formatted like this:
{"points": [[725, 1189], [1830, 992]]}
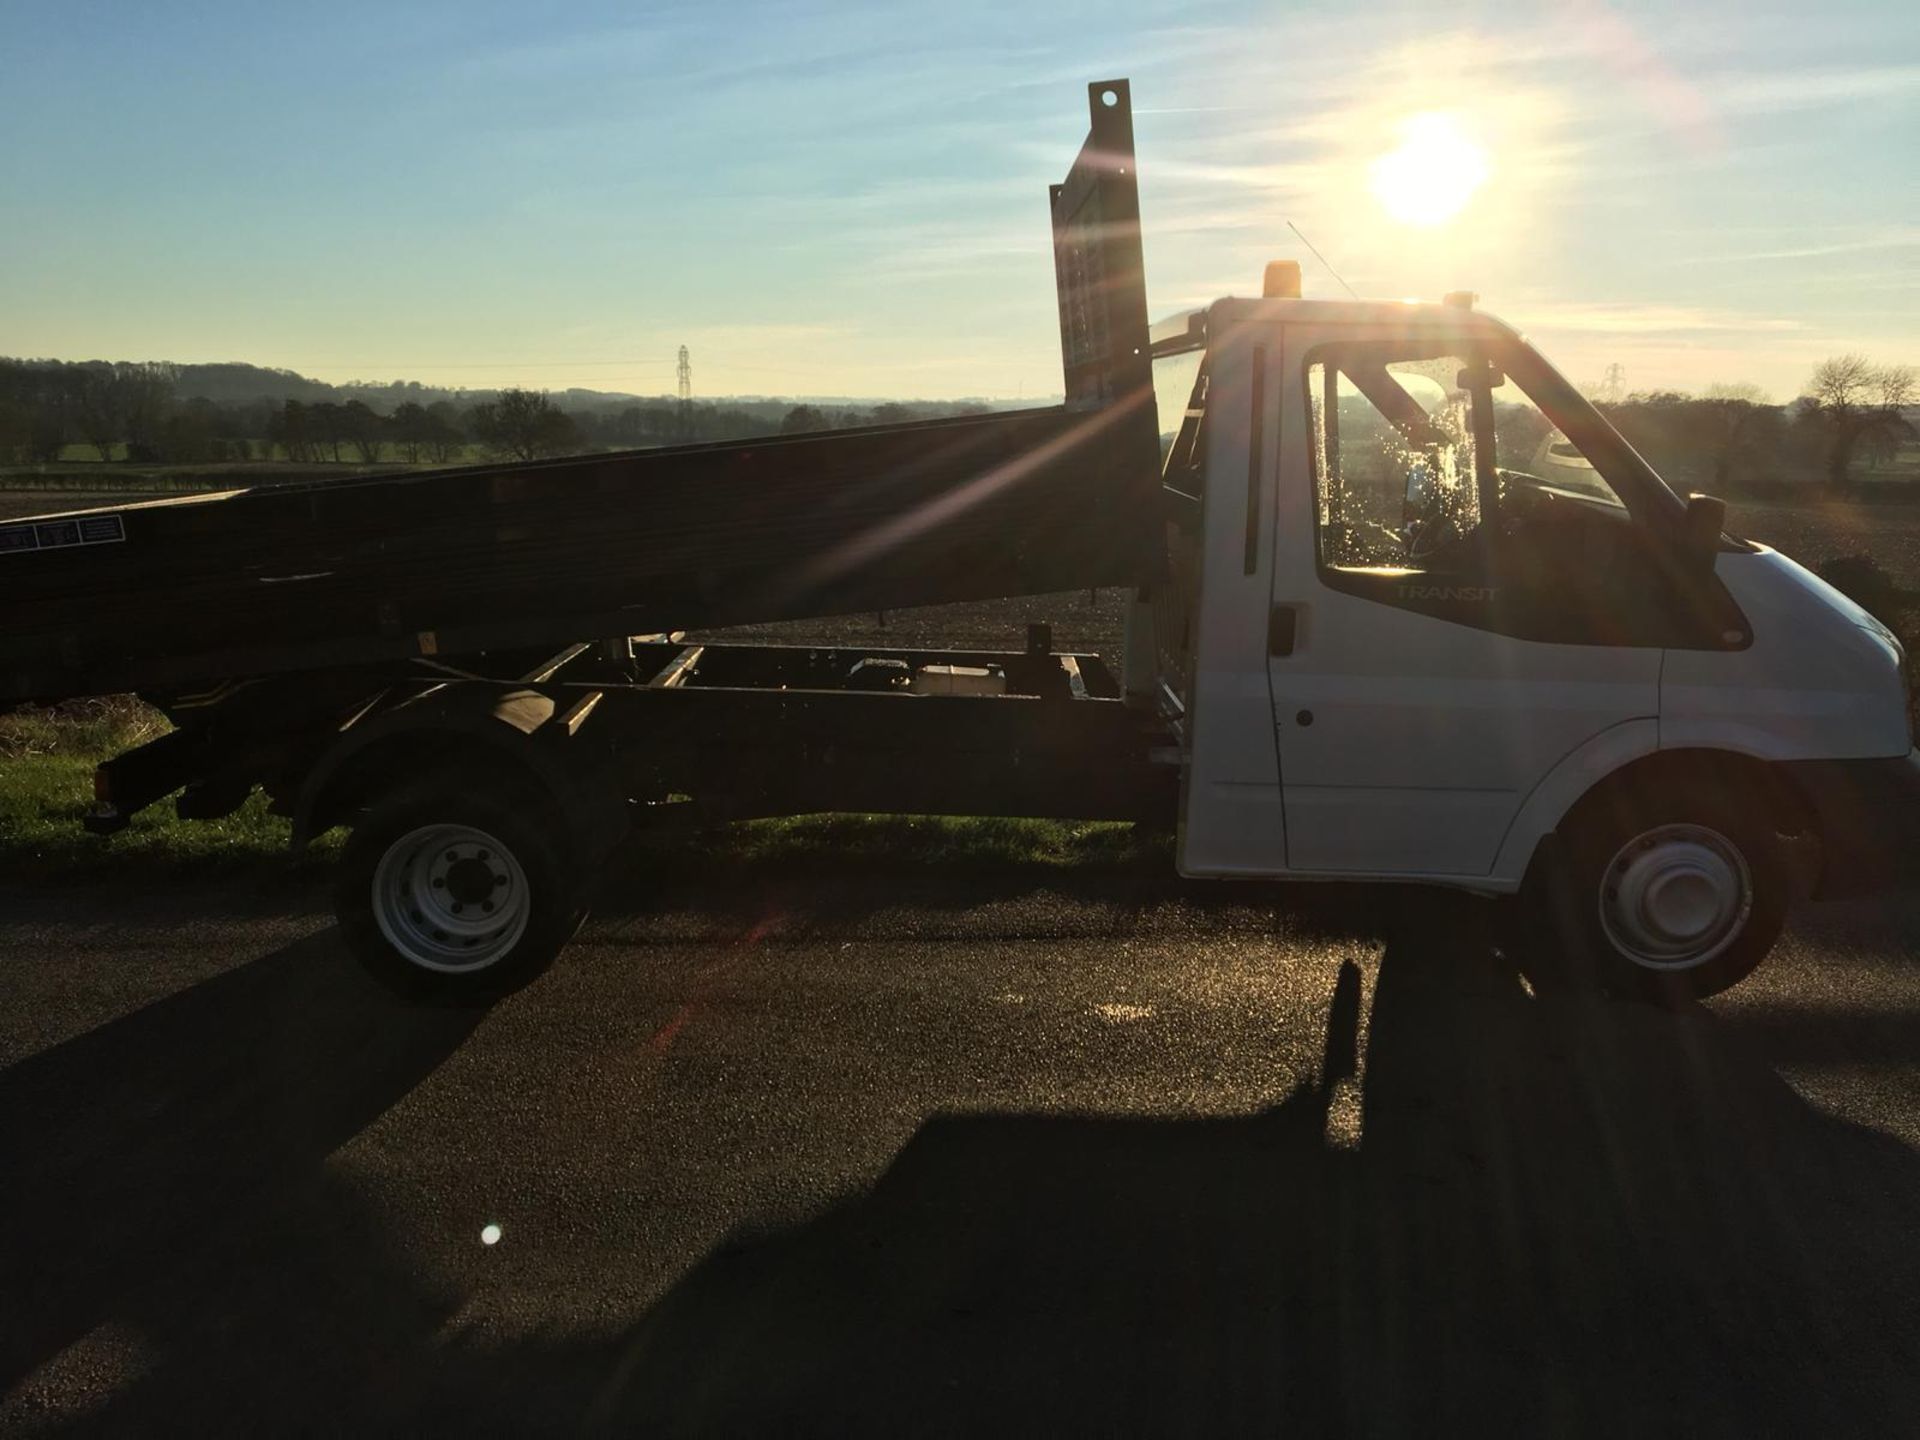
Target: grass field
{"points": [[1889, 531], [46, 490], [83, 454]]}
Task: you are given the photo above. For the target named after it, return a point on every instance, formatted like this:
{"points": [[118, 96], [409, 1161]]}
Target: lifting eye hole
{"points": [[1109, 98]]}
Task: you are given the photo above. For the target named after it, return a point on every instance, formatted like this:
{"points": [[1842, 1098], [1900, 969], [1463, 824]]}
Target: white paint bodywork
{"points": [[1439, 752], [1820, 681], [1232, 822]]}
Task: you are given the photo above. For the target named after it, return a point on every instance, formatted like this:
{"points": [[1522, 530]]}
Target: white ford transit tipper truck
{"points": [[1405, 608]]}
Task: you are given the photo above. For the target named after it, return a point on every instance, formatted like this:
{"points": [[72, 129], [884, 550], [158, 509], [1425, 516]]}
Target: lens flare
{"points": [[1430, 176]]}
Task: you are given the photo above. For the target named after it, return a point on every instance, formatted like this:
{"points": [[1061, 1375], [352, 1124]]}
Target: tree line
{"points": [[1852, 411], [140, 412]]}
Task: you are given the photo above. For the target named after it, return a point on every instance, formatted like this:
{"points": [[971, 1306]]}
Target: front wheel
{"points": [[450, 893], [1666, 897]]}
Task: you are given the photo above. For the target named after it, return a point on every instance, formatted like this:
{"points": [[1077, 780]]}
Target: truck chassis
{"points": [[578, 749]]}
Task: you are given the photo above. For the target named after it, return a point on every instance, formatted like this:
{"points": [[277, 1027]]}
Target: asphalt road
{"points": [[928, 1155]]}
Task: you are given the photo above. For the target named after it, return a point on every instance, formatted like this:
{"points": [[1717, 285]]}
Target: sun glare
{"points": [[1431, 174]]}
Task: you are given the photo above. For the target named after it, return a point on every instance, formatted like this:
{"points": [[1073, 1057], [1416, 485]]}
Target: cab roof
{"points": [[1189, 330]]}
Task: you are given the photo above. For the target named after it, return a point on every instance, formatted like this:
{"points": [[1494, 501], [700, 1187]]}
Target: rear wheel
{"points": [[453, 892], [1668, 897]]}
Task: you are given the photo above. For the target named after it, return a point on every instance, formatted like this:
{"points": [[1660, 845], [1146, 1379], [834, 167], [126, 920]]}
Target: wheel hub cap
{"points": [[470, 880], [451, 898], [1675, 896]]}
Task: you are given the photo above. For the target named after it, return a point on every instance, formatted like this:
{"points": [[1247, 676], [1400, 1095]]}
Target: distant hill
{"points": [[235, 382], [159, 412]]}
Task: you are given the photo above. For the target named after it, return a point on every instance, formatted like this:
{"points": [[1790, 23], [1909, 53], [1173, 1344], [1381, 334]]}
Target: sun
{"points": [[1429, 177]]}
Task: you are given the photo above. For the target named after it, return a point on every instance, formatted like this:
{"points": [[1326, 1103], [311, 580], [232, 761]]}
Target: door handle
{"points": [[1283, 629]]}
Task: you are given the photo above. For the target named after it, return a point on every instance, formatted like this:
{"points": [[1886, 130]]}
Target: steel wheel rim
{"points": [[1675, 896], [451, 898]]}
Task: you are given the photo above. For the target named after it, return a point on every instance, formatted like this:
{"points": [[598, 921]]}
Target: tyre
{"points": [[1662, 896], [457, 892]]}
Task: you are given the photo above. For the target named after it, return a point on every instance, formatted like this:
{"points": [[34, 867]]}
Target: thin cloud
{"points": [[1773, 91], [1604, 318], [1901, 239]]}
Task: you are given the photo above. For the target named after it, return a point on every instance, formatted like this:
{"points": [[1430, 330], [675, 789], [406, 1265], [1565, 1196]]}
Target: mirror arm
{"points": [[1706, 522]]}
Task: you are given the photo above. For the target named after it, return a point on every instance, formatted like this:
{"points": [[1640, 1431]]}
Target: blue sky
{"points": [[851, 200]]}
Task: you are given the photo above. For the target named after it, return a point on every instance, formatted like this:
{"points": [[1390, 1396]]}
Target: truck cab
{"points": [[1400, 646]]}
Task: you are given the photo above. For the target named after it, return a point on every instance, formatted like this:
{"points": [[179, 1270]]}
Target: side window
{"points": [[1180, 397], [1441, 486], [1393, 457], [1409, 450]]}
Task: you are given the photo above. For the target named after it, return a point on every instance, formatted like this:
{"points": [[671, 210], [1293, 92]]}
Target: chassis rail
{"points": [[663, 731]]}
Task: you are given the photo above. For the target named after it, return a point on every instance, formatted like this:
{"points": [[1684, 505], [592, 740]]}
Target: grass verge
{"points": [[43, 799], [46, 785]]}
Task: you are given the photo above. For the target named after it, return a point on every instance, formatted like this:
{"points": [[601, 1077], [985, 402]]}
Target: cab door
{"points": [[1423, 679]]}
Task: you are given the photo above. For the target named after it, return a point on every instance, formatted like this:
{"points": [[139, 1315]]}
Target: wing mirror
{"points": [[1706, 521]]}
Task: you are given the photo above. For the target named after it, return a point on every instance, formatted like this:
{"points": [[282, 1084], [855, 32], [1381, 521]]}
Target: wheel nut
{"points": [[438, 883], [458, 907], [487, 905]]}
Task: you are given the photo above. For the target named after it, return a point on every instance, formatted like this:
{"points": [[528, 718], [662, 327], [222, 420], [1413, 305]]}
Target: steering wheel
{"points": [[1426, 531], [1429, 535]]}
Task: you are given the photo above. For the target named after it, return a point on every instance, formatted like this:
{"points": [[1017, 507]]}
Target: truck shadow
{"points": [[1792, 1032], [1490, 1211], [143, 1160], [1559, 1216]]}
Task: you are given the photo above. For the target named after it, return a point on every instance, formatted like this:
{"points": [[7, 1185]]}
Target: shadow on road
{"points": [[1555, 1216], [1560, 1216], [1809, 1032], [144, 1161]]}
